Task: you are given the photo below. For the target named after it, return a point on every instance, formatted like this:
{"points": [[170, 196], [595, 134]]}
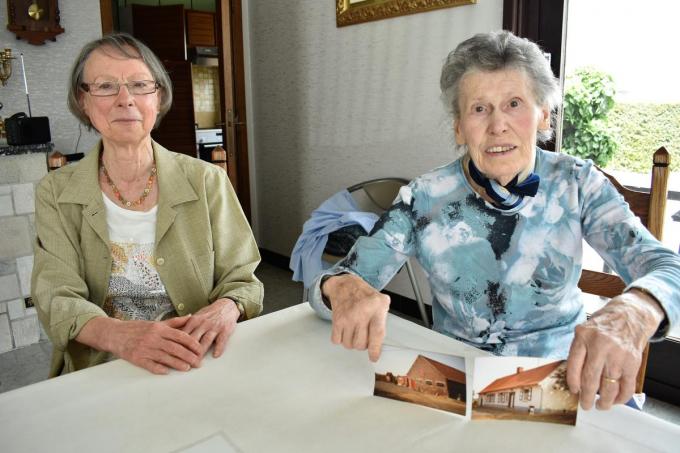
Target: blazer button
{"points": [[180, 307], [160, 261]]}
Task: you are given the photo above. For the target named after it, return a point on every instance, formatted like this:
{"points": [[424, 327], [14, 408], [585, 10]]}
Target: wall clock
{"points": [[34, 20]]}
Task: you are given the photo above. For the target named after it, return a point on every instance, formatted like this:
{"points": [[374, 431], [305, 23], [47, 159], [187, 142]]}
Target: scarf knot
{"points": [[510, 195]]}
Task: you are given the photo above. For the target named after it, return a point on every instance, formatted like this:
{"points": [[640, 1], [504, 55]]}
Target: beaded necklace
{"points": [[116, 191]]}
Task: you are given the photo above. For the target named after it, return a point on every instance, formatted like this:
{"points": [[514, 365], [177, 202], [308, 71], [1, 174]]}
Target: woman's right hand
{"points": [[359, 313], [156, 346]]}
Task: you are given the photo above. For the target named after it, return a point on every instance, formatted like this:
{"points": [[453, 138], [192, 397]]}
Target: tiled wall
{"points": [[205, 81], [19, 174]]}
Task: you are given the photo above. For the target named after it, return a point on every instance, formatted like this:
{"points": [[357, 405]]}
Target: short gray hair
{"points": [[130, 47], [496, 51]]}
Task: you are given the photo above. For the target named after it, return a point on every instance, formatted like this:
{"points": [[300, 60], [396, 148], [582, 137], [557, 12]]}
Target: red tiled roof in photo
{"points": [[522, 379], [448, 372]]}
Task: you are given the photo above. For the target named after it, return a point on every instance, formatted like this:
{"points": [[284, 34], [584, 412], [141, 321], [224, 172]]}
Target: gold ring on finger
{"points": [[611, 380]]}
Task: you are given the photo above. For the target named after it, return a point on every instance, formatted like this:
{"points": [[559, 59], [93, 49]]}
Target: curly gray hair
{"points": [[496, 51], [129, 47]]}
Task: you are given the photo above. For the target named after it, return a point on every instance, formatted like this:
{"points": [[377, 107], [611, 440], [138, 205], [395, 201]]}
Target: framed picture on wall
{"points": [[349, 12]]}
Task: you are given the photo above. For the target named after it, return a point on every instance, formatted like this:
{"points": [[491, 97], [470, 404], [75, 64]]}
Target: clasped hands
{"points": [[178, 343], [605, 354]]}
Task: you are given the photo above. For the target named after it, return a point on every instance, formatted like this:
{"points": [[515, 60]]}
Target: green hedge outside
{"points": [[640, 130]]}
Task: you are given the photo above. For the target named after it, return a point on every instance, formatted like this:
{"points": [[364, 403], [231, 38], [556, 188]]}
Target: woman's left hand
{"points": [[607, 349], [213, 324]]}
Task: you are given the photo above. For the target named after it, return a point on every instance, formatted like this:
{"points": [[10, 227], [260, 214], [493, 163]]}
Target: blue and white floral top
{"points": [[506, 281]]}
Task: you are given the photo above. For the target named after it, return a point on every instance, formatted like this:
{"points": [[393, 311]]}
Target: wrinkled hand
{"points": [[359, 314], [213, 324], [607, 349], [154, 345]]}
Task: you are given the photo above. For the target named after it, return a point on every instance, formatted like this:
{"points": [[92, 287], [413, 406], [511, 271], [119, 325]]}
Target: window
{"points": [[646, 101], [501, 398], [440, 384], [541, 21], [428, 382], [527, 394]]}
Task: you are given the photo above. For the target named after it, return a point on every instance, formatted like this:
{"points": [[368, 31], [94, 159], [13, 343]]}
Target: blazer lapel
{"points": [[84, 189], [173, 189]]}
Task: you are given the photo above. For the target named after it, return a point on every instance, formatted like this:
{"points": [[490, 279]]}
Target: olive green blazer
{"points": [[204, 248]]}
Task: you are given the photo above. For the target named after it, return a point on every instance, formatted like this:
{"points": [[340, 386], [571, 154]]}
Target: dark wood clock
{"points": [[34, 20]]}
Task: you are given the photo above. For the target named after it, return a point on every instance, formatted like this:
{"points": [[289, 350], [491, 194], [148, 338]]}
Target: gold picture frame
{"points": [[349, 12]]}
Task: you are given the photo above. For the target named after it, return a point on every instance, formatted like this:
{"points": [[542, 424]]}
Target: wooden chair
{"points": [[650, 208]]}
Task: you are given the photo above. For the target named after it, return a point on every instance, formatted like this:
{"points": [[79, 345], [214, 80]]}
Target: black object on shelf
{"points": [[25, 130]]}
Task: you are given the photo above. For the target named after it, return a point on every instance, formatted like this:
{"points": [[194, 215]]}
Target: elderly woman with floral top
{"points": [[499, 234]]}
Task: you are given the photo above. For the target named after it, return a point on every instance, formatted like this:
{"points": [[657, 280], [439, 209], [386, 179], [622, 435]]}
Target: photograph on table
{"points": [[420, 377], [522, 388]]}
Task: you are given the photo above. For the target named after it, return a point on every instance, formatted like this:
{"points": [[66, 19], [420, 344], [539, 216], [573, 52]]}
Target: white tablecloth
{"points": [[282, 386]]}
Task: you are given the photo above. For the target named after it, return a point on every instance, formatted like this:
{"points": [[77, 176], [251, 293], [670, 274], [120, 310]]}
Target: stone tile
{"points": [[8, 267], [31, 311], [9, 171], [6, 208], [5, 334], [24, 268], [31, 227], [9, 287], [16, 309], [5, 189], [26, 331], [15, 240], [24, 198], [3, 307], [32, 167]]}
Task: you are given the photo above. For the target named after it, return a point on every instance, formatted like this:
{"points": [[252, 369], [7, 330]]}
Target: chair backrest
{"points": [[650, 208], [377, 195]]}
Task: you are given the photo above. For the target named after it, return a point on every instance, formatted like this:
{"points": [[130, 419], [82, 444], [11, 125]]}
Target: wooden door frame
{"points": [[233, 97], [106, 13]]}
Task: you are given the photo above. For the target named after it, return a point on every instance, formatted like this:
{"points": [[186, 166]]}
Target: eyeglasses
{"points": [[113, 88]]}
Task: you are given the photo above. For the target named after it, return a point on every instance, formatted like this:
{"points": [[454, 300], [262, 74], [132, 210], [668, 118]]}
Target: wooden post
{"points": [[659, 191], [219, 157]]}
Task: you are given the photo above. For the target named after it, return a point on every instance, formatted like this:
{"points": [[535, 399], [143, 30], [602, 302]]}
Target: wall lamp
{"points": [[5, 65]]}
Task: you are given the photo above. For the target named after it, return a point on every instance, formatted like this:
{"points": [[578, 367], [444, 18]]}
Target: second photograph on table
{"points": [[522, 388]]}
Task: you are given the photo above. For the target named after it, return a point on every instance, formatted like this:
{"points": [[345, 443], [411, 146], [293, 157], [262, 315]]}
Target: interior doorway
{"points": [[179, 34]]}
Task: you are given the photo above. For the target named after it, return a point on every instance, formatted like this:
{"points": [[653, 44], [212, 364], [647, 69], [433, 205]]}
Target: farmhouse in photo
{"points": [[537, 390]]}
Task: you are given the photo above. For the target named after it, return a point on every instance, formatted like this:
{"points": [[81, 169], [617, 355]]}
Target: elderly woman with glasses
{"points": [[141, 253], [499, 235]]}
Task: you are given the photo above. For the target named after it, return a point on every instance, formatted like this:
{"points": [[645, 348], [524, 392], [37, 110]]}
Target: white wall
{"points": [[47, 68], [331, 106]]}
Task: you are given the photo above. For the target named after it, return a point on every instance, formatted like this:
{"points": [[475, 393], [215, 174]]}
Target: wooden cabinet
{"points": [[176, 131], [200, 29], [162, 29]]}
